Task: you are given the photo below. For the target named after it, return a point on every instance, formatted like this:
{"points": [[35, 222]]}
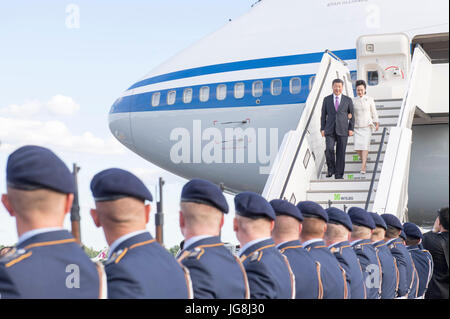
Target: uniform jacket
{"points": [[344, 253], [335, 280], [405, 267], [308, 284], [49, 265], [269, 272], [140, 267], [214, 270], [371, 267], [423, 263], [390, 280]]}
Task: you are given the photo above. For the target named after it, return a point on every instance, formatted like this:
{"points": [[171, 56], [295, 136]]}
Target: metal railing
{"points": [[374, 174]]}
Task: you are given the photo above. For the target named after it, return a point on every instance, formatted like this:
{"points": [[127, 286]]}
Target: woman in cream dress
{"points": [[366, 119]]}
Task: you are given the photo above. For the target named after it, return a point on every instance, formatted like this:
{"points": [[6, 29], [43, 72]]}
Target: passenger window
{"points": [[221, 92], [156, 97], [239, 90], [187, 95], [257, 88], [311, 82], [372, 78], [295, 85], [276, 87], [171, 97], [204, 93]]}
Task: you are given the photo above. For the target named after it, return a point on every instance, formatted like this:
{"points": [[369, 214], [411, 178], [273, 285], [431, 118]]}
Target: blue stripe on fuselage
{"points": [[349, 54]]}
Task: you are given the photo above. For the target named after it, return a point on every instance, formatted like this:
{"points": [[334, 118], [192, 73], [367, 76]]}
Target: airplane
{"points": [[254, 75]]}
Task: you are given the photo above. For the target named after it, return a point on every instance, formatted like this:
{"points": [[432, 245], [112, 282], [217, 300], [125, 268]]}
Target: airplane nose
{"points": [[119, 123]]}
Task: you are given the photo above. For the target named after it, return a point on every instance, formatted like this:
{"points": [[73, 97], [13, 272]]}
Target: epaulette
{"points": [[14, 256], [335, 250], [115, 257], [195, 253], [256, 256]]}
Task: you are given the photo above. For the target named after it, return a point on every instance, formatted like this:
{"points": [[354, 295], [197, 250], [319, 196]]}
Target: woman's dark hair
{"points": [[361, 82]]}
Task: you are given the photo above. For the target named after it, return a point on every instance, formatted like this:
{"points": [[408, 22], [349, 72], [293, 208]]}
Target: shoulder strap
{"points": [[187, 276], [319, 278], [244, 273], [103, 282]]}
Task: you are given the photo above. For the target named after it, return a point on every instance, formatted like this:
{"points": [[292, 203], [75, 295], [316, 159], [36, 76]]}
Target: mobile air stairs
{"points": [[401, 88]]}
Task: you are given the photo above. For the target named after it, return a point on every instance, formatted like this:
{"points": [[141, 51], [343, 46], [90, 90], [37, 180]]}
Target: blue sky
{"points": [[58, 83]]}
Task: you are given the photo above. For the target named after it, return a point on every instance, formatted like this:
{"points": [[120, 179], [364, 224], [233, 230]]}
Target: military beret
{"points": [[115, 183], [34, 167], [403, 235], [204, 192], [361, 217], [283, 207], [412, 230], [392, 220], [312, 209], [252, 205], [379, 222], [337, 216]]}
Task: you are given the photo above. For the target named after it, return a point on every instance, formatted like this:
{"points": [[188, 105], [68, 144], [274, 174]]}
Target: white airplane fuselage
{"points": [[276, 40]]}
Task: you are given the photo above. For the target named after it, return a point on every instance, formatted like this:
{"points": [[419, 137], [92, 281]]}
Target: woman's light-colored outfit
{"points": [[365, 116]]}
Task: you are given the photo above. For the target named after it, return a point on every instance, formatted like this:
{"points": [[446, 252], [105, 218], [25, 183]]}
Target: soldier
{"points": [[334, 279], [269, 272], [286, 234], [215, 271], [423, 261], [47, 262], [389, 283], [403, 258], [336, 238], [363, 226], [137, 266]]}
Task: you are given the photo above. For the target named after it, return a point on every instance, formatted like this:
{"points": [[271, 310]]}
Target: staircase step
{"points": [[394, 103], [387, 120], [374, 139], [340, 205], [354, 157], [389, 111], [341, 184], [373, 147], [353, 175], [356, 166], [337, 195]]}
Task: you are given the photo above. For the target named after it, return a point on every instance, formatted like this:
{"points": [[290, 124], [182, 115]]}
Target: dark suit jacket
{"points": [[337, 122], [435, 243]]}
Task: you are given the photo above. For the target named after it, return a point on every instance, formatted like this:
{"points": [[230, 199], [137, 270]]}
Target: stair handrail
{"points": [[309, 121], [374, 173]]}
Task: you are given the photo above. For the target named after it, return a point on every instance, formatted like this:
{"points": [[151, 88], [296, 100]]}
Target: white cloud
{"points": [[17, 132], [57, 105]]}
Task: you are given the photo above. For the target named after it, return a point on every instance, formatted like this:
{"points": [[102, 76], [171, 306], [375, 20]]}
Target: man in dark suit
{"points": [[436, 242], [336, 127]]}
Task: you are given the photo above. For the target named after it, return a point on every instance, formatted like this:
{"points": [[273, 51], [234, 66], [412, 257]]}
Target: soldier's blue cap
{"points": [[115, 183], [392, 220], [412, 230], [361, 217], [403, 235], [33, 167], [252, 205], [201, 191], [283, 207], [379, 221], [311, 209], [337, 216]]}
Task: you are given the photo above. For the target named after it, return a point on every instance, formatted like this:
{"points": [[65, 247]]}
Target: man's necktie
{"points": [[336, 104]]}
